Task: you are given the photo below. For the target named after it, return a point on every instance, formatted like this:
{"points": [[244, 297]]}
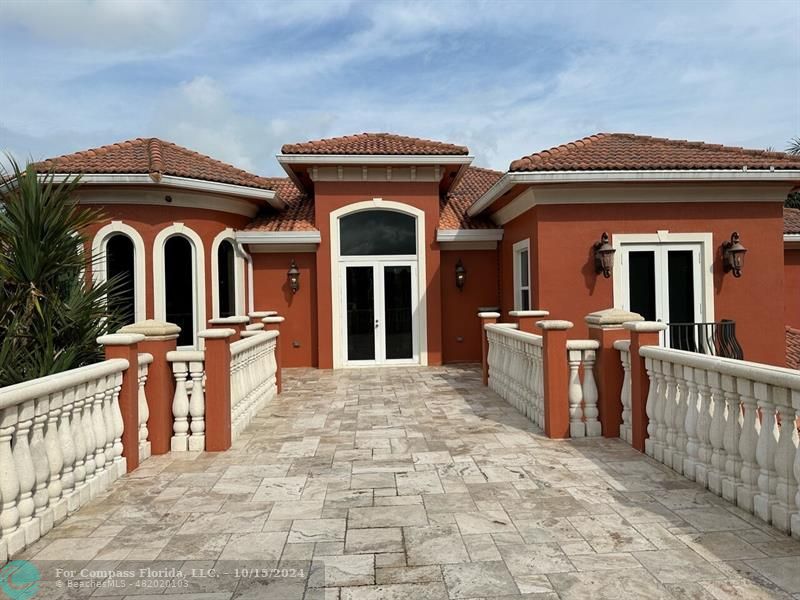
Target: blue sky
{"points": [[237, 79]]}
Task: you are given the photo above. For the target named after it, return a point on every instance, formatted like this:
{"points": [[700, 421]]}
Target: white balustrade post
{"points": [[88, 436], [731, 481], [649, 407], [180, 408], [119, 425], [111, 390], [751, 428], [765, 453], [13, 537], [590, 411], [786, 485], [41, 465], [670, 408], [717, 434], [66, 442], [659, 409], [795, 520], [80, 491], [703, 465], [100, 480], [197, 408], [692, 415], [577, 428], [681, 409], [625, 394], [144, 409], [55, 459]]}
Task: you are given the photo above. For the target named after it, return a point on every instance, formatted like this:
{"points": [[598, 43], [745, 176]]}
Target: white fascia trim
{"points": [[375, 159], [509, 180], [791, 238], [469, 235], [187, 183], [278, 237]]}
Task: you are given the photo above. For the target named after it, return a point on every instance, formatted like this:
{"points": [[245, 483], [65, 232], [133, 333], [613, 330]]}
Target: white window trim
{"points": [[518, 248], [339, 359], [199, 287], [238, 273], [99, 275], [706, 241]]}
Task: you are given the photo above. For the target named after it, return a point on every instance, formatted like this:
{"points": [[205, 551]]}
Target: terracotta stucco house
{"points": [[396, 242]]}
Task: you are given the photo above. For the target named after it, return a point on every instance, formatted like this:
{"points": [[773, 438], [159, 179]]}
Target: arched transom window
{"points": [[377, 232]]}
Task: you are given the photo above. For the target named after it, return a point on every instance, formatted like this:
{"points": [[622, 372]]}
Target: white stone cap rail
{"points": [[145, 358], [36, 388], [510, 330], [260, 314], [252, 340], [489, 315], [234, 320], [582, 344], [528, 313], [622, 345]]}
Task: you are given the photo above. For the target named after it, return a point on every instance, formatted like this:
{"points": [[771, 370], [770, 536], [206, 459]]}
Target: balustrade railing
{"points": [[583, 412], [145, 360], [188, 403], [60, 446], [516, 369], [625, 393], [253, 377], [729, 425]]}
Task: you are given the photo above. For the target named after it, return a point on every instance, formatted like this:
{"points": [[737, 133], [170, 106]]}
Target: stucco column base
{"points": [[486, 318], [218, 387], [526, 319], [556, 377], [605, 327], [126, 345], [159, 338], [273, 323], [643, 333]]}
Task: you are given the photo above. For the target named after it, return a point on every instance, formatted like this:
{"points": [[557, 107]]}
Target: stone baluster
{"points": [[119, 425], [733, 428], [717, 434], [41, 465], [197, 408], [751, 429], [55, 459], [703, 428], [765, 453], [690, 423], [795, 519], [681, 408], [659, 409], [144, 414], [110, 389], [9, 484], [650, 406], [66, 443], [79, 438], [670, 408], [625, 395], [590, 411], [100, 480], [786, 484], [88, 432], [180, 408], [577, 428]]}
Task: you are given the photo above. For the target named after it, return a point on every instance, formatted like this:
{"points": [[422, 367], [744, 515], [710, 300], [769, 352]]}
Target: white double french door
{"points": [[379, 299]]}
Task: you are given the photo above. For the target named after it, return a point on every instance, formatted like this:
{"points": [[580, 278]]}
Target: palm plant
{"points": [[794, 146], [50, 313]]}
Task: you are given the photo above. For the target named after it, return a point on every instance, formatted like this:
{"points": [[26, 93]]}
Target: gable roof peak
{"points": [[379, 143]]}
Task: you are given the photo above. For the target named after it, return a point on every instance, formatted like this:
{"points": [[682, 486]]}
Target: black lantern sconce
{"points": [[604, 256], [293, 275], [733, 255], [461, 275]]}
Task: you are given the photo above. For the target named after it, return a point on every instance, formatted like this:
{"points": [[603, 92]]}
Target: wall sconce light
{"points": [[733, 255], [293, 275], [604, 256], [461, 275]]}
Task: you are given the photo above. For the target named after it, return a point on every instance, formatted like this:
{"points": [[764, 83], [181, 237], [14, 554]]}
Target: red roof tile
{"points": [[628, 152], [453, 210], [374, 143], [154, 157], [792, 348], [297, 216], [791, 220]]}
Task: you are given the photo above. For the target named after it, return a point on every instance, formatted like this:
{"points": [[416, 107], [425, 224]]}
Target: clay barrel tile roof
{"points": [[297, 216], [453, 210], [791, 221], [375, 143], [629, 152], [153, 157]]}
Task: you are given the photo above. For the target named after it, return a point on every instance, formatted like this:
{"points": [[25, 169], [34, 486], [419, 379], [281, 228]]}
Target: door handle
{"points": [[377, 323]]}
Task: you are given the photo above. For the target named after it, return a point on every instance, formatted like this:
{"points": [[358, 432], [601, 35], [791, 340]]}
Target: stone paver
{"points": [[412, 483]]}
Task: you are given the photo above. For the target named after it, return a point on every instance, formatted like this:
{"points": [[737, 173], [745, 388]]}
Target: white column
{"points": [[703, 465], [751, 428], [180, 409], [717, 434], [197, 408], [733, 428], [786, 486], [765, 453], [576, 426]]}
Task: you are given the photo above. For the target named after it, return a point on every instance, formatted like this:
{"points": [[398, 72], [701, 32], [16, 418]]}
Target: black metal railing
{"points": [[716, 339]]}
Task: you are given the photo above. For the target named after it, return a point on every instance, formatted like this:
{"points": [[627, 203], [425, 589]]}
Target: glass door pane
{"points": [[681, 299], [642, 283], [360, 313], [398, 313]]}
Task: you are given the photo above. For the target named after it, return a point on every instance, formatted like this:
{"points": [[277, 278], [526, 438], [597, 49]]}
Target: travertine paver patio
{"points": [[414, 483]]}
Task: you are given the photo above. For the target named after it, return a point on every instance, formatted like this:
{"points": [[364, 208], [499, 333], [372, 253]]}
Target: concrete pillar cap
{"points": [[260, 314], [234, 320], [215, 334], [120, 339], [611, 317], [645, 326], [489, 315], [275, 319], [555, 325], [151, 328], [528, 313]]}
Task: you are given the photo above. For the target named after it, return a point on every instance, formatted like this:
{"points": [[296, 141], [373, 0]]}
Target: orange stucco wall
{"points": [[329, 196], [150, 220], [565, 282], [272, 292], [791, 275], [461, 341]]}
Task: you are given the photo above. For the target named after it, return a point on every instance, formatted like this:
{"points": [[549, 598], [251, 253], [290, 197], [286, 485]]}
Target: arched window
{"points": [[179, 286], [227, 279], [377, 232], [120, 264]]}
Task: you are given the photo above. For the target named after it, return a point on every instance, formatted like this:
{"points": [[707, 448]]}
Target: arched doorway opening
{"points": [[120, 261], [179, 287], [226, 264]]}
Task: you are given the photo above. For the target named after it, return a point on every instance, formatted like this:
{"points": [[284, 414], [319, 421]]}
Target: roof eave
{"points": [[512, 178], [375, 159], [187, 183]]}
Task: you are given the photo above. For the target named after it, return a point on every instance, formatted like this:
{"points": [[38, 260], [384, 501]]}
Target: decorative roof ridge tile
{"points": [[381, 142]]}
